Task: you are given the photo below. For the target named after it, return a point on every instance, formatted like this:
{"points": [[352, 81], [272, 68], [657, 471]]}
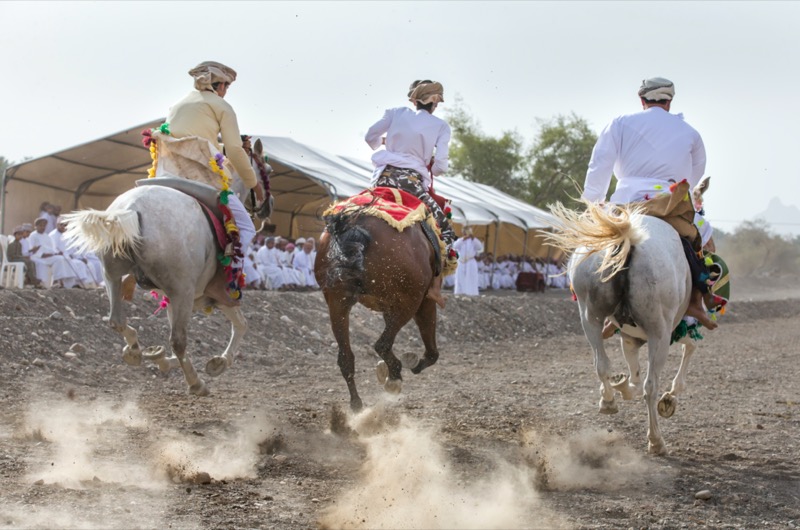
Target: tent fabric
{"points": [[305, 181]]}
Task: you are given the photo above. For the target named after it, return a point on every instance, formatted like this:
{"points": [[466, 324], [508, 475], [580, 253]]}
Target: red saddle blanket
{"points": [[397, 207]]}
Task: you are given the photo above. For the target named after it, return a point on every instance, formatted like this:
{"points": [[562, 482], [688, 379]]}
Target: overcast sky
{"points": [[323, 72]]}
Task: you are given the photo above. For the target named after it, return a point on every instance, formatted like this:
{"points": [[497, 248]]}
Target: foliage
{"points": [[752, 249], [482, 158], [558, 160], [4, 163], [547, 171]]}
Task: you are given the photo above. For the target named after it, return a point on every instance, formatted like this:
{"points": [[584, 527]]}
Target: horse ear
{"points": [[258, 147], [703, 184]]}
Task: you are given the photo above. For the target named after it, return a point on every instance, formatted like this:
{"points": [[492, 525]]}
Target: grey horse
{"points": [[630, 267], [161, 235]]}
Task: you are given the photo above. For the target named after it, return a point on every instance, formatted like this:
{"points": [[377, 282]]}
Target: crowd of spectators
{"points": [[504, 272], [50, 261]]}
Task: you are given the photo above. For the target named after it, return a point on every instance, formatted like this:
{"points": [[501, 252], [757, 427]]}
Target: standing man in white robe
{"points": [[468, 248]]}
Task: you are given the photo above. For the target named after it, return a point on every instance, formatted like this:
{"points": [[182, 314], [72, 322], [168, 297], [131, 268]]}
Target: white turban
{"points": [[209, 72], [657, 89]]}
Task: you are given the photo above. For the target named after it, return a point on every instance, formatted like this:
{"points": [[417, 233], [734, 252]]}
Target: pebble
{"points": [[78, 348], [39, 482], [38, 362], [70, 355], [286, 319], [703, 495], [55, 315]]}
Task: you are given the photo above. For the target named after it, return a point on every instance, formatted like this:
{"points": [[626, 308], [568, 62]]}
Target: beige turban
{"points": [[209, 72], [657, 89], [425, 93]]}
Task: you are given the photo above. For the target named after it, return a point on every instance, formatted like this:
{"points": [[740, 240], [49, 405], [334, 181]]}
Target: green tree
{"points": [[475, 156], [753, 249], [4, 163], [558, 160]]}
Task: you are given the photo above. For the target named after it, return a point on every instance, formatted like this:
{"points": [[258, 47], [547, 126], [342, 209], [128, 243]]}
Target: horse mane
{"points": [[347, 244], [612, 231]]}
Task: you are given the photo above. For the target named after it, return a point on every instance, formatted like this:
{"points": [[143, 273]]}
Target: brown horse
{"points": [[361, 259]]}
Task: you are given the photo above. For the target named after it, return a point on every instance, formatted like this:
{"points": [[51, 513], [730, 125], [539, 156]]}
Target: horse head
{"points": [[263, 171]]}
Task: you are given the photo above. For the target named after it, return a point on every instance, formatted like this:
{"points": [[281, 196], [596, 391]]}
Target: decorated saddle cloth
{"points": [[399, 209], [189, 158], [674, 205]]}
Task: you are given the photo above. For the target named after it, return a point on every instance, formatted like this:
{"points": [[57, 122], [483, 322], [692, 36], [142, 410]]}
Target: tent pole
{"points": [[494, 249], [3, 203]]}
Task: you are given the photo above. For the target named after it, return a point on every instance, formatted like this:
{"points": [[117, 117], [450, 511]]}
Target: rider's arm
{"points": [[229, 128], [601, 166], [698, 160], [440, 155], [375, 133]]}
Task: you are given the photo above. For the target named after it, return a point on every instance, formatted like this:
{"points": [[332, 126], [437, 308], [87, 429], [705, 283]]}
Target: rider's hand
{"points": [[259, 194]]}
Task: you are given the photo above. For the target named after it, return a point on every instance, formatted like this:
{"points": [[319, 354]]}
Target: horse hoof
{"points": [[409, 360], [393, 386], [216, 366], [608, 407], [199, 389], [382, 372], [132, 356], [667, 405], [657, 449], [164, 365], [153, 353]]}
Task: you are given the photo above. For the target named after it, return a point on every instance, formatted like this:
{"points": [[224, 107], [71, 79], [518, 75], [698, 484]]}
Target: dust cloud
{"points": [[408, 481], [587, 459], [226, 456], [103, 464]]}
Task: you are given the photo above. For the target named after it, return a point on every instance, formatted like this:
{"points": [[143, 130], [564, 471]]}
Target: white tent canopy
{"points": [[304, 183]]}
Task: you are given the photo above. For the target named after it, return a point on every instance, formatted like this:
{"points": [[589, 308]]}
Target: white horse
{"points": [[629, 267], [162, 237]]}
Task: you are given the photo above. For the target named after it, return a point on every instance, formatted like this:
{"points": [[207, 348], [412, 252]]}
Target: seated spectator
{"points": [[304, 263], [78, 266], [268, 262], [44, 254], [14, 253]]}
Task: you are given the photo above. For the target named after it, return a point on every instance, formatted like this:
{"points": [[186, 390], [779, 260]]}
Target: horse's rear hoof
{"points": [[409, 360], [216, 366], [132, 356], [393, 386], [608, 407], [382, 372], [667, 405], [657, 449], [199, 389]]}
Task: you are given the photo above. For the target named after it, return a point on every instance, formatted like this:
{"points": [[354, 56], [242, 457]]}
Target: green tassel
{"points": [[226, 260], [223, 197], [164, 128]]}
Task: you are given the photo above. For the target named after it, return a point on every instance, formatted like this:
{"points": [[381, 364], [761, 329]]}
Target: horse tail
{"points": [[348, 242], [610, 231], [115, 231]]}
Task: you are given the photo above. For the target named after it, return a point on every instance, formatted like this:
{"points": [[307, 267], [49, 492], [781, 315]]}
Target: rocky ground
{"points": [[502, 433]]}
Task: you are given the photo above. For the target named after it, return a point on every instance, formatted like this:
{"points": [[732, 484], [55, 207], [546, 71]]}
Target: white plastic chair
{"points": [[12, 273]]}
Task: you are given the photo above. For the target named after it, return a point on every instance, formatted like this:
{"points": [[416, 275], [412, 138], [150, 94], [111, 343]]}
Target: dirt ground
{"points": [[502, 433]]}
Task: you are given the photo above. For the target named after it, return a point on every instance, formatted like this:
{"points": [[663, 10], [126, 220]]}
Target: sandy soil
{"points": [[502, 433]]}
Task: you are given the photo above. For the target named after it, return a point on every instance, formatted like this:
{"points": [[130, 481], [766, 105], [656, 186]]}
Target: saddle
{"points": [[399, 209], [207, 196]]}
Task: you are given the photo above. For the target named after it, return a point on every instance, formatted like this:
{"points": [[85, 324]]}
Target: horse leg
{"points": [[132, 352], [219, 364], [180, 312], [658, 348], [426, 322], [669, 401], [339, 307], [389, 368], [593, 329], [631, 386]]}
